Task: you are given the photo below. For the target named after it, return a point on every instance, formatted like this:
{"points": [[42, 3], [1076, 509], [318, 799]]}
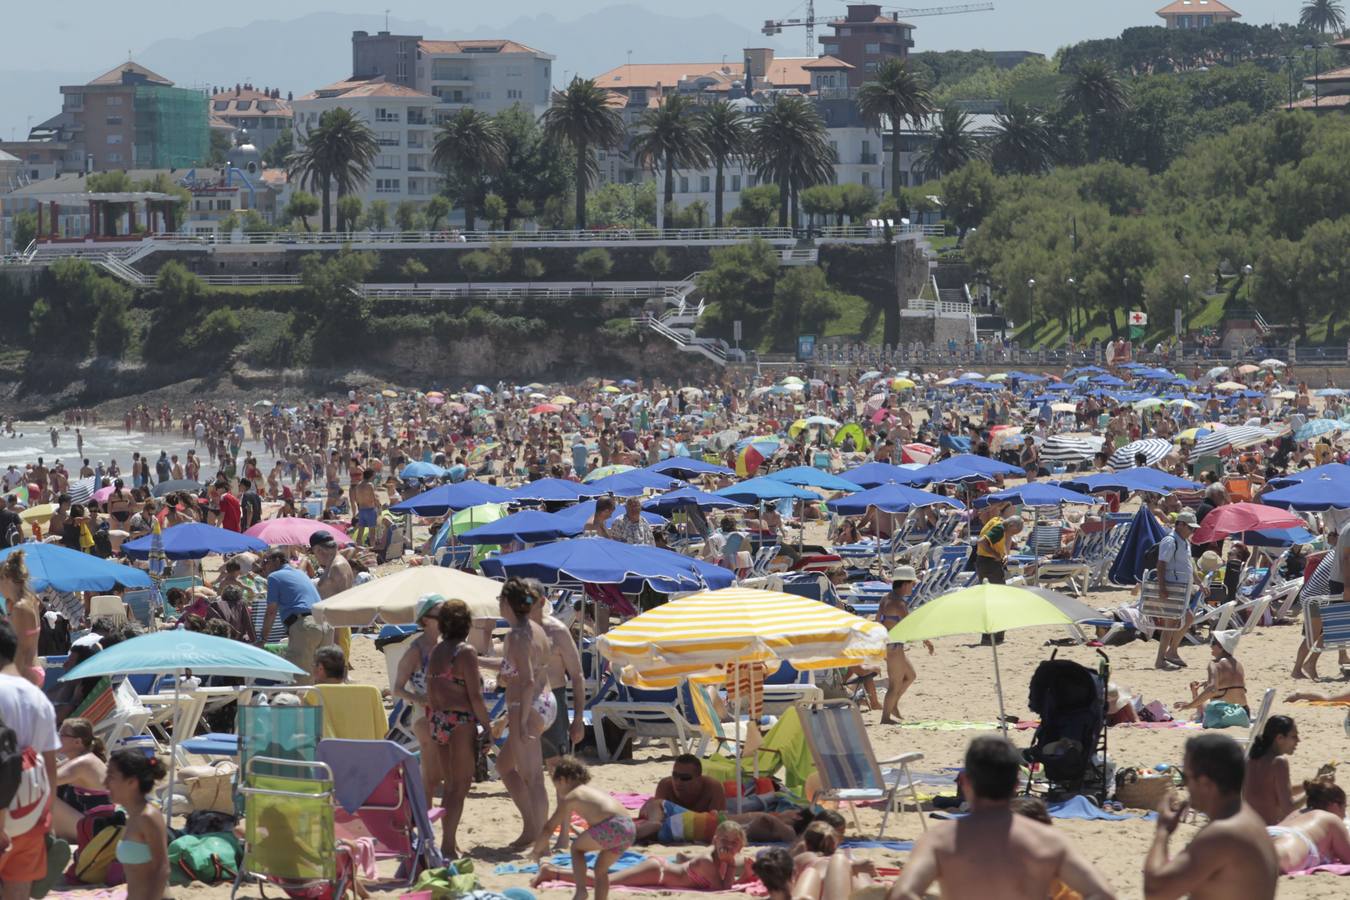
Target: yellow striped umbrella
{"points": [[695, 635]]}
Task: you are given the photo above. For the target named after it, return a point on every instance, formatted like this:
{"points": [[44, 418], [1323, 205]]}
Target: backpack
{"points": [[1151, 556], [95, 858], [11, 764]]}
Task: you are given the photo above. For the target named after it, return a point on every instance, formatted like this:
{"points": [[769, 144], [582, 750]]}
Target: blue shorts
{"points": [[367, 516]]}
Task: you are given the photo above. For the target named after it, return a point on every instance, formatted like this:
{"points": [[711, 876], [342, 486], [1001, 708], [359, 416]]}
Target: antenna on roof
{"points": [[386, 20]]}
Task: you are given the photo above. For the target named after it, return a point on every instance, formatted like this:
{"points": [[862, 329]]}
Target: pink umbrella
{"points": [[880, 416], [289, 531], [102, 494], [917, 453], [545, 408], [1235, 518]]}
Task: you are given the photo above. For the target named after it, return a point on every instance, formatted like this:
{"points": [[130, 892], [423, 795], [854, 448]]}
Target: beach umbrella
{"points": [[289, 531], [988, 609], [176, 486], [1238, 437], [966, 467], [545, 409], [606, 471], [193, 540], [822, 421], [869, 375], [1277, 537], [1316, 428], [440, 500], [563, 400], [1324, 491], [764, 489], [68, 571], [1037, 493], [748, 460], [1183, 403], [529, 526], [1107, 380], [1155, 450], [1233, 518], [690, 496], [1229, 386], [634, 483], [610, 389], [809, 476], [82, 490], [102, 494], [687, 467], [917, 454], [1272, 364], [1149, 403], [1334, 471], [901, 384], [889, 498], [177, 653], [1216, 372], [1136, 478], [43, 511], [421, 470], [585, 511], [1248, 369], [465, 520], [1328, 392], [872, 474], [1065, 449], [552, 490], [596, 560], [1128, 566]]}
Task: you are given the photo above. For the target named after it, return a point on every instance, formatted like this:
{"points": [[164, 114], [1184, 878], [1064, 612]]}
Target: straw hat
{"points": [[1121, 700], [1209, 562]]}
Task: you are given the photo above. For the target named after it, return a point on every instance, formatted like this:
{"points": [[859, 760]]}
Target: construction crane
{"points": [[810, 20]]}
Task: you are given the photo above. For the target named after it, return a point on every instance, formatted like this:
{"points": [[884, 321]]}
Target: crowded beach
{"points": [[803, 634]]}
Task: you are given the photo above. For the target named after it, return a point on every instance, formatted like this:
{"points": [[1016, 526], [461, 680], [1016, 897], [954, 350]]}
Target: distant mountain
{"points": [[298, 55]]}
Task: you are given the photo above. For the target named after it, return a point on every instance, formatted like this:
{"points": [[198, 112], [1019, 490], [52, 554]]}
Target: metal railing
{"points": [[524, 291]]}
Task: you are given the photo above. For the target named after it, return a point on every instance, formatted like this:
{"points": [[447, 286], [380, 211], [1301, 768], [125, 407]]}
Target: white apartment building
{"points": [[404, 123]]}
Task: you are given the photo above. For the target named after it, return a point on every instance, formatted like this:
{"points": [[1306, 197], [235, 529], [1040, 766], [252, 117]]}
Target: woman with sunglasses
{"points": [[410, 685], [82, 765]]}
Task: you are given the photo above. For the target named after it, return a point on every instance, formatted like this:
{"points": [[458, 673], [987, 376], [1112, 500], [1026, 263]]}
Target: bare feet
{"points": [[1165, 665], [546, 873], [1297, 673]]}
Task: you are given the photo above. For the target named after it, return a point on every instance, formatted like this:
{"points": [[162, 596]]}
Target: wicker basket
{"points": [[1142, 791]]}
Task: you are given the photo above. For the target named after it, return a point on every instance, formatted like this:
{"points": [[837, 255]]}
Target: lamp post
{"points": [[1248, 272], [1073, 305], [1317, 73], [1186, 280], [1031, 312]]}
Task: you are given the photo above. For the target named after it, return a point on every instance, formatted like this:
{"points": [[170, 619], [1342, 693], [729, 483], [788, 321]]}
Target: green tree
{"points": [[670, 138], [855, 202], [334, 312], [494, 210], [301, 206], [407, 217], [1323, 15], [349, 212], [473, 264], [790, 148], [413, 270], [630, 205], [25, 230], [1097, 95], [757, 208], [661, 263], [1022, 143], [738, 285], [951, 144], [112, 325], [437, 208], [803, 303], [221, 145], [217, 335], [532, 269], [894, 96], [536, 171], [594, 263], [469, 148], [377, 215], [274, 157], [821, 202], [582, 119], [337, 154], [114, 182], [968, 195], [177, 300], [726, 136]]}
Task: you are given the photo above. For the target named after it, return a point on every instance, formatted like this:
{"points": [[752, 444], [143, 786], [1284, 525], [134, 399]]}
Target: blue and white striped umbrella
{"points": [[1315, 428]]}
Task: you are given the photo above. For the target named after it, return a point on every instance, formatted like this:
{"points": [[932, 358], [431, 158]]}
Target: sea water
{"points": [[31, 440]]}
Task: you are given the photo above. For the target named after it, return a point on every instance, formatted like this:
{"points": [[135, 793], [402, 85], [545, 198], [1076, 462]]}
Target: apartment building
{"points": [[404, 125], [264, 115], [865, 38], [490, 75]]}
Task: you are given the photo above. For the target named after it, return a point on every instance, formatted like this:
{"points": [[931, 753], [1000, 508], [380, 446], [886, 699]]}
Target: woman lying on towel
{"points": [[1315, 835], [715, 869], [832, 878]]}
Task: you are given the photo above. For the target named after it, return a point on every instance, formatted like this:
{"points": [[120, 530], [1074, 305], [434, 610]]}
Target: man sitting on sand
{"points": [[992, 852], [1231, 857]]}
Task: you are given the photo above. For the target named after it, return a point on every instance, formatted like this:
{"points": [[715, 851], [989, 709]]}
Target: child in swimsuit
{"points": [[611, 829]]}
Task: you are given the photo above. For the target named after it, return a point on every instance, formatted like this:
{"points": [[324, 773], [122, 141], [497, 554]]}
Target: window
{"points": [[387, 138], [872, 48], [386, 161], [223, 206], [483, 95], [830, 49], [735, 184], [388, 185], [704, 184], [386, 115], [114, 139], [684, 184], [870, 66], [866, 178], [114, 157], [113, 120], [74, 101], [113, 101], [514, 94]]}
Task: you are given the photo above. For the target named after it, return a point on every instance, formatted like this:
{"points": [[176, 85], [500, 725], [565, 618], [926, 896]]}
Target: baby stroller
{"points": [[1071, 701]]}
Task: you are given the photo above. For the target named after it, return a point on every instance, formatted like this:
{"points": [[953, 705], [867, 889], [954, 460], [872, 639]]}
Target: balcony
{"points": [[417, 118], [387, 142], [867, 159]]}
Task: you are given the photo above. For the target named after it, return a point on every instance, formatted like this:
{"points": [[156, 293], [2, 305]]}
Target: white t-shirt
{"points": [[27, 710]]}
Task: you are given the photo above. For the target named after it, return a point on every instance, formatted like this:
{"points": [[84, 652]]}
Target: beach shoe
{"points": [[58, 857]]}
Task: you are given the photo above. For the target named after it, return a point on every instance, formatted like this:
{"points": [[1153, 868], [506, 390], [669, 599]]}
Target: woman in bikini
{"points": [[143, 850], [1226, 682], [80, 772], [715, 869], [1315, 835], [455, 708], [900, 672], [119, 505], [530, 706], [25, 614], [410, 685]]}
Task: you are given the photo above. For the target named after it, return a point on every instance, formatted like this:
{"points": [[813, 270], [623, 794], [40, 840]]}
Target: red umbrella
{"points": [[917, 453], [545, 408], [1235, 518]]}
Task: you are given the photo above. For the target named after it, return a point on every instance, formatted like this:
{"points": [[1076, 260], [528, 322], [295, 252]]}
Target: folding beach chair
{"points": [[642, 714], [1157, 613], [1258, 722], [141, 604], [289, 733], [289, 837], [847, 767], [108, 606], [115, 711], [1326, 623]]}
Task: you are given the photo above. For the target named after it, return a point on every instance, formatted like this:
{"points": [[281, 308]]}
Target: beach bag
{"points": [[1155, 712], [1219, 714], [1140, 791], [11, 764], [208, 858], [214, 792], [95, 859], [456, 879]]}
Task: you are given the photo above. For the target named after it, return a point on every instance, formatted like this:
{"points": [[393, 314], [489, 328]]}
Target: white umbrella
{"points": [[393, 598]]}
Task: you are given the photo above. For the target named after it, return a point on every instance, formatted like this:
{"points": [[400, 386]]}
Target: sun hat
{"points": [[1228, 640], [425, 604], [1209, 562], [904, 573], [1122, 698]]}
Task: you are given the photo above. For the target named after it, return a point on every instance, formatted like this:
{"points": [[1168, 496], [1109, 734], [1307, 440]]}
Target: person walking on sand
{"points": [[1231, 858], [1175, 574], [900, 672], [993, 852]]}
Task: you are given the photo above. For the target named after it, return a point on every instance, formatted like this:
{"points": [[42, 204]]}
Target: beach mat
{"points": [[948, 725], [564, 861], [1328, 869]]}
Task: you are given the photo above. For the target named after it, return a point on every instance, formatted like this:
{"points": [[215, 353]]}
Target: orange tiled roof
{"points": [[649, 75], [496, 46], [828, 63], [1342, 74], [114, 75], [357, 89], [1197, 7], [1334, 101]]}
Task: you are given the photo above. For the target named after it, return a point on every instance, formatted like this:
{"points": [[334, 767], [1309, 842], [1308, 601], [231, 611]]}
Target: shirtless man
{"points": [[564, 662], [367, 505], [992, 852], [1231, 857], [337, 577]]}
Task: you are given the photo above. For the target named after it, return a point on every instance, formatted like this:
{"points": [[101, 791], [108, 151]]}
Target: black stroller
{"points": [[1071, 701]]}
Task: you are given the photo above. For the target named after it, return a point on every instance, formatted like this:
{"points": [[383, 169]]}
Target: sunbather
{"points": [[1315, 835], [715, 869], [1267, 786], [1227, 682]]}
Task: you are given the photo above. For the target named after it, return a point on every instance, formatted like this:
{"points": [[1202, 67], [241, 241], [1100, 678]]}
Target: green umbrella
{"points": [[989, 609]]}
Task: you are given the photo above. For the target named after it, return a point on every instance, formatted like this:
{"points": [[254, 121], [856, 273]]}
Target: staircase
{"points": [[115, 266], [679, 323]]}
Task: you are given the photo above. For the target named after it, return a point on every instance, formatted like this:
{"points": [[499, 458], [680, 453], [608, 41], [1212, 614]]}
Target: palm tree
{"points": [[338, 153], [1094, 90], [1022, 141], [670, 137], [469, 147], [1323, 15], [951, 144], [726, 135], [789, 147], [896, 94], [582, 118]]}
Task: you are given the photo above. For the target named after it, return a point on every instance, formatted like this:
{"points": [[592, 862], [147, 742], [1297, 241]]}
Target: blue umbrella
{"points": [[1317, 428], [891, 498], [452, 497], [634, 483], [66, 570], [757, 489], [1311, 494], [1277, 537], [1143, 534], [193, 540], [1334, 471], [547, 490], [872, 474], [690, 496], [809, 476], [1081, 370], [529, 526], [1139, 478], [594, 560], [1037, 493], [421, 470], [1059, 386], [687, 467], [585, 511], [965, 467]]}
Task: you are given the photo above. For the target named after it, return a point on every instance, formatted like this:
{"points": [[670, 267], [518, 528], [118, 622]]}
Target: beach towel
{"points": [[351, 711], [564, 861], [1083, 808], [1329, 869], [630, 800], [949, 725]]}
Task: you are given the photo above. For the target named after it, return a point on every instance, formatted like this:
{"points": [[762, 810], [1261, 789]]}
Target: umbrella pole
{"points": [[998, 686], [173, 753], [735, 726]]}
